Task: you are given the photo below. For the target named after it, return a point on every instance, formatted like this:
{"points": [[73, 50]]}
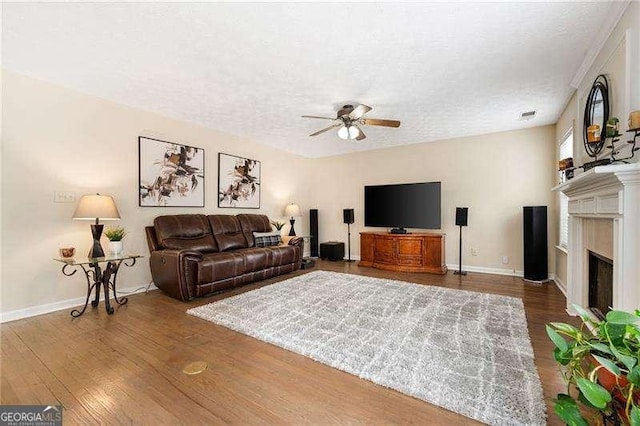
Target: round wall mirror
{"points": [[596, 114]]}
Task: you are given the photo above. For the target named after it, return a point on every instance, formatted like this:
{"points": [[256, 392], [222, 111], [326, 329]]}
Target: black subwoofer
{"points": [[534, 222], [332, 250]]}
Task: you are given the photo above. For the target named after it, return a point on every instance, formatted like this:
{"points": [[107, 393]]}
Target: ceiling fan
{"points": [[349, 120]]}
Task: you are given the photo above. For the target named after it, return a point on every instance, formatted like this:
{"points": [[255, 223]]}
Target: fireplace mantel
{"points": [[611, 193]]}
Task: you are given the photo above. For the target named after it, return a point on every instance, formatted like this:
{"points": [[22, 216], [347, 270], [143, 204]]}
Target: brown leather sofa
{"points": [[193, 255]]}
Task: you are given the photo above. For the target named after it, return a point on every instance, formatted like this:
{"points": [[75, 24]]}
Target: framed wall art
{"points": [[170, 174], [238, 182]]}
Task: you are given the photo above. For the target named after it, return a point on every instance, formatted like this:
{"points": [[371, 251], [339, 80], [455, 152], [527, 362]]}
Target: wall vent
{"points": [[528, 115]]}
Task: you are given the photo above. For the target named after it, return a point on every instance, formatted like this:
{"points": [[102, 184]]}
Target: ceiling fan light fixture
{"points": [[343, 133], [349, 120], [353, 132]]}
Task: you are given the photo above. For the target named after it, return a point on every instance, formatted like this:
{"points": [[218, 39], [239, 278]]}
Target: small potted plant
{"points": [[278, 225], [600, 364], [115, 236]]}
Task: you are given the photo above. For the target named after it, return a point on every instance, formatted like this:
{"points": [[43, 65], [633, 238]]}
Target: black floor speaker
{"points": [[313, 232], [347, 216], [461, 216], [534, 222]]}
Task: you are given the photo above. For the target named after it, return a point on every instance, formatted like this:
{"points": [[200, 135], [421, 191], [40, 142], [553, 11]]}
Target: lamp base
{"points": [[96, 249], [292, 232]]}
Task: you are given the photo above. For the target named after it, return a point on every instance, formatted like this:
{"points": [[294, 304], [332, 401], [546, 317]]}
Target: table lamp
{"points": [[96, 207], [292, 210]]}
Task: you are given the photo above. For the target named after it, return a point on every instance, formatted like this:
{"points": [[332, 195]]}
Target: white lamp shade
{"points": [[343, 133], [353, 132], [292, 210], [93, 207]]}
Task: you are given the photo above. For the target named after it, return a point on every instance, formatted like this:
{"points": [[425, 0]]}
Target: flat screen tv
{"points": [[409, 205]]}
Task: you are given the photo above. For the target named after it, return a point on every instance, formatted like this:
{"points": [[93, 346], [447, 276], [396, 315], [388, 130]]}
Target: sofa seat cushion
{"points": [[219, 266], [280, 255], [255, 259]]}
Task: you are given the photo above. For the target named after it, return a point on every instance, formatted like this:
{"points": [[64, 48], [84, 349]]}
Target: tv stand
{"points": [[398, 231], [417, 252]]}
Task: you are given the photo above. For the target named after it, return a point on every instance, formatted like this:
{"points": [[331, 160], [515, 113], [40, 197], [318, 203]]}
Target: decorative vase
{"points": [[115, 247], [67, 252]]}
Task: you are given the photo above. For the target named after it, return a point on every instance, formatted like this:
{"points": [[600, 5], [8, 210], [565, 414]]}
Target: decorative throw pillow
{"points": [[266, 239]]}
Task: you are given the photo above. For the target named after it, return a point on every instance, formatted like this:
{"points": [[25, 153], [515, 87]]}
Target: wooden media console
{"points": [[417, 252]]}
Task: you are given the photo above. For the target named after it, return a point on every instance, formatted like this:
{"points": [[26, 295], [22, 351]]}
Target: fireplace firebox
{"points": [[600, 284]]}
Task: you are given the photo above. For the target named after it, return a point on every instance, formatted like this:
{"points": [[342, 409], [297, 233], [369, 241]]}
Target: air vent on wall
{"points": [[528, 115]]}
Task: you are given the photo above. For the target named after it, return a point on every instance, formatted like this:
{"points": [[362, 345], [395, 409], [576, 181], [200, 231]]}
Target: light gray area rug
{"points": [[464, 351]]}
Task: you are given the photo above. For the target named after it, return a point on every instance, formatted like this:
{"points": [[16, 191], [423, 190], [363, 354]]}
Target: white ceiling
{"points": [[444, 69]]}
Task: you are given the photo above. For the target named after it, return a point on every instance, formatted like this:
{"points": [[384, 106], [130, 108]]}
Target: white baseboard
{"points": [[561, 286], [63, 304], [496, 271], [481, 269], [485, 270]]}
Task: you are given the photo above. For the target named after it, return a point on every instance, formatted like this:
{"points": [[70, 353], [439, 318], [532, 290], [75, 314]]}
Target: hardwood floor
{"points": [[127, 367]]}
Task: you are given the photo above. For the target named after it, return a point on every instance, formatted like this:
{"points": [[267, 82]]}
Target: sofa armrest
{"points": [[175, 272], [297, 241], [298, 244], [152, 239]]}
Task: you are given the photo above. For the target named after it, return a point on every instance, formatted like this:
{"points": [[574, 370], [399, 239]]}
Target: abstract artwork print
{"points": [[238, 182], [170, 174]]}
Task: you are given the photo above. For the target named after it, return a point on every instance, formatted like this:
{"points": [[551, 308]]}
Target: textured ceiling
{"points": [[444, 69]]}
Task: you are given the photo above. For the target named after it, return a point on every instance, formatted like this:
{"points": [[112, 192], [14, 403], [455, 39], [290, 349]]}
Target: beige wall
{"points": [[55, 139], [494, 175], [619, 60]]}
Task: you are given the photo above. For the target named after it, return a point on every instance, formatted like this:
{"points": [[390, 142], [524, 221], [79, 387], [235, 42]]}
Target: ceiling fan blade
{"points": [[359, 111], [378, 122], [361, 134], [326, 129], [315, 116]]}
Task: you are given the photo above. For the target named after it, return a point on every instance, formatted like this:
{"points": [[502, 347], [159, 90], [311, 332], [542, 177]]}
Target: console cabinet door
{"points": [[410, 251], [384, 249], [434, 252], [366, 248]]}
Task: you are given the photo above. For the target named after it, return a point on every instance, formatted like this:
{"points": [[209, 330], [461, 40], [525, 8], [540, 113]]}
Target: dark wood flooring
{"points": [[127, 367]]}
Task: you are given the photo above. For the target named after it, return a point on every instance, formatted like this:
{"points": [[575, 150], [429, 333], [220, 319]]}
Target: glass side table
{"points": [[98, 275]]}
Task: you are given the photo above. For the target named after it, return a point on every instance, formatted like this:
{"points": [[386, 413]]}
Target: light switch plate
{"points": [[64, 197]]}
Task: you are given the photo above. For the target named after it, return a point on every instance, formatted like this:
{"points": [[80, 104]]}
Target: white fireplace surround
{"points": [[605, 192]]}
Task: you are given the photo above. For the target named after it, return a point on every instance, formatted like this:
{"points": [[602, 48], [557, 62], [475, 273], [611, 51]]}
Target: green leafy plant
{"points": [[600, 364], [116, 233], [277, 225]]}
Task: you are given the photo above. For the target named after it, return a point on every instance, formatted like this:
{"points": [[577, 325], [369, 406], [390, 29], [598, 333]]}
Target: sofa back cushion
{"points": [[251, 223], [227, 232], [185, 232]]}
